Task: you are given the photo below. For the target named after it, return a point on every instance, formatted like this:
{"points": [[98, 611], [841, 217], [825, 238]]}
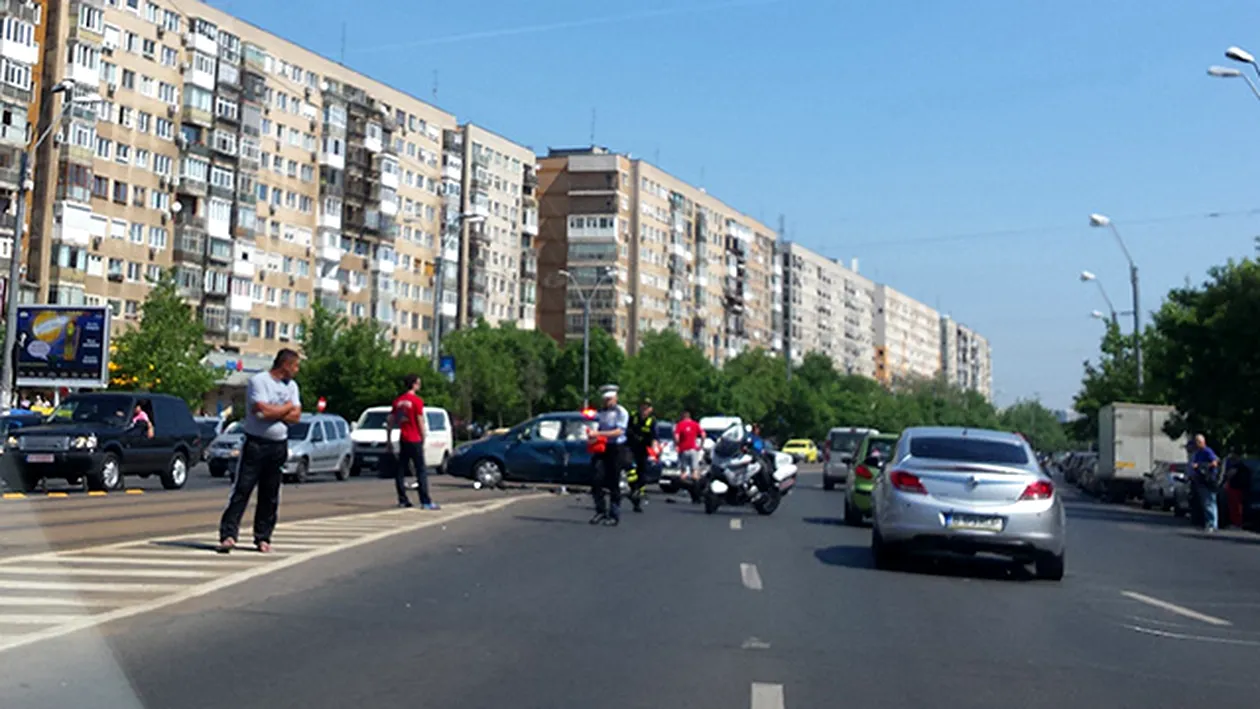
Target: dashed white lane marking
{"points": [[767, 696], [755, 644], [1174, 608], [1200, 638], [115, 575], [749, 575], [737, 524]]}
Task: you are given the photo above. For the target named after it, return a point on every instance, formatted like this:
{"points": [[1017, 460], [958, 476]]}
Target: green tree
{"points": [[756, 384], [1204, 358], [607, 361], [487, 384], [1038, 424], [534, 354], [675, 375], [164, 354], [1113, 378]]}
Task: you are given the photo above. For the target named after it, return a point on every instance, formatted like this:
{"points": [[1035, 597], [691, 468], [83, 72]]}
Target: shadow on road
{"points": [[550, 520], [1117, 513], [1230, 536], [980, 567], [207, 546], [824, 521]]}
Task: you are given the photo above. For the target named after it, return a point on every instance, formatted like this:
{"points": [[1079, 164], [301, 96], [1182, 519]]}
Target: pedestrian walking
{"points": [[272, 403], [687, 435], [1206, 476], [640, 436], [611, 421], [408, 417]]}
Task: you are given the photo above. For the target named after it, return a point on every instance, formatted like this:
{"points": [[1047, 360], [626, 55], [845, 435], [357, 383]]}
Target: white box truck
{"points": [[1131, 440]]}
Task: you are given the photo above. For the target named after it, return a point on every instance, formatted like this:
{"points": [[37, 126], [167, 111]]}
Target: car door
{"points": [[537, 455], [154, 454], [579, 467], [318, 442]]}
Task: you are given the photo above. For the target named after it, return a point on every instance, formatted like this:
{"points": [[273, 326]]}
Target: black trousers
{"points": [[608, 480], [411, 454], [262, 466]]}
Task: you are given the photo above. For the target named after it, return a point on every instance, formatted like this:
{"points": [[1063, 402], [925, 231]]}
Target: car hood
{"points": [[372, 435], [67, 429], [227, 441]]}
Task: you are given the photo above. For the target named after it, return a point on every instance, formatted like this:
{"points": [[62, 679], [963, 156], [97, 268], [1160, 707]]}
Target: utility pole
{"points": [[786, 296]]}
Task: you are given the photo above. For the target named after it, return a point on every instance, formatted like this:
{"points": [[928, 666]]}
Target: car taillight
{"points": [[906, 482], [1040, 490], [863, 472]]}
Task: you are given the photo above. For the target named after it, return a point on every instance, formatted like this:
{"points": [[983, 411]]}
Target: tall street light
{"points": [[604, 273], [439, 279], [1224, 72], [1086, 277], [12, 295], [1102, 221], [1241, 55]]}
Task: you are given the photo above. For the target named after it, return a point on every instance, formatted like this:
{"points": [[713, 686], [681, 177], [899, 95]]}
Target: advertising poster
{"points": [[62, 346]]}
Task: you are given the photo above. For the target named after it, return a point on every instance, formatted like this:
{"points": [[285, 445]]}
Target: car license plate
{"points": [[369, 459], [981, 523], [40, 458]]}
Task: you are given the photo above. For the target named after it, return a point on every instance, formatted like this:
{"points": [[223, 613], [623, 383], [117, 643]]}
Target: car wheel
{"points": [[108, 476], [852, 516], [303, 472], [886, 556], [343, 469], [446, 463], [489, 473], [1050, 567], [176, 473], [828, 483]]}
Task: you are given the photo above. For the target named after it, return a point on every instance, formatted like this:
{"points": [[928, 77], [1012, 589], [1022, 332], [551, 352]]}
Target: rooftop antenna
{"points": [[435, 85], [342, 61], [592, 127]]}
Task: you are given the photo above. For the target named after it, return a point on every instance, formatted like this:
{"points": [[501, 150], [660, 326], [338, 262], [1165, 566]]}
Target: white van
{"points": [[714, 427], [370, 448]]}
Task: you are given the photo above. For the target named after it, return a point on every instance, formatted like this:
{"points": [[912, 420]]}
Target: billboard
{"points": [[62, 346]]}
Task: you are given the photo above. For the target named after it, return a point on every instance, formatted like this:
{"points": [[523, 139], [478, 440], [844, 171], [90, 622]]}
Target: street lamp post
{"points": [[1099, 220], [1224, 72], [1086, 277], [586, 297], [439, 281], [12, 295]]}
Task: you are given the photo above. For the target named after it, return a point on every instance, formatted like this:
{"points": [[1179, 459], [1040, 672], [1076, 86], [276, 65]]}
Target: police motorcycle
{"points": [[739, 475]]}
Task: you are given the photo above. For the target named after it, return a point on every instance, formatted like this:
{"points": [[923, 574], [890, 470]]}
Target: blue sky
{"points": [[955, 147]]}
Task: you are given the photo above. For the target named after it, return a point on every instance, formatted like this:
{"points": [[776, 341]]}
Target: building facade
{"points": [[966, 361], [652, 253], [830, 310], [22, 28], [907, 337], [263, 176]]}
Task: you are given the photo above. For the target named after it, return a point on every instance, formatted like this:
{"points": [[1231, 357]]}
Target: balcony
{"points": [[452, 172], [479, 283], [201, 43], [190, 244], [73, 223], [337, 161], [383, 266], [238, 337], [215, 323], [198, 116], [239, 303], [330, 252], [243, 269], [191, 186], [23, 53], [328, 285], [529, 268]]}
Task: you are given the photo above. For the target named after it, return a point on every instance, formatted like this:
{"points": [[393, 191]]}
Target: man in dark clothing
{"points": [[641, 435], [1238, 490], [1205, 467]]}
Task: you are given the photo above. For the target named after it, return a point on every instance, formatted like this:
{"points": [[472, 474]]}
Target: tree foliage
{"points": [[164, 354], [1038, 424]]}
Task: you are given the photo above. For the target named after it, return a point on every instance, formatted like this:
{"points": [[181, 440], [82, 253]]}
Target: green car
{"points": [[857, 493]]}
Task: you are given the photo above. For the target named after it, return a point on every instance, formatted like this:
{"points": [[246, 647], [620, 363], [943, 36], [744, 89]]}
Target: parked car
{"points": [[967, 491], [372, 452], [1159, 487], [211, 427], [319, 443], [225, 451], [842, 444], [801, 450], [90, 437], [873, 454], [550, 448]]}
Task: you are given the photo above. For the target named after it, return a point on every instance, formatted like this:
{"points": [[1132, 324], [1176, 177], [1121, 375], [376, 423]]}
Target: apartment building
{"points": [[966, 361], [264, 176], [831, 310], [21, 37], [489, 183], [907, 337], [652, 253]]}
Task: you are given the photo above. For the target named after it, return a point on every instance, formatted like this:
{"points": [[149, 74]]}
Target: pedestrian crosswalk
{"points": [[54, 593]]}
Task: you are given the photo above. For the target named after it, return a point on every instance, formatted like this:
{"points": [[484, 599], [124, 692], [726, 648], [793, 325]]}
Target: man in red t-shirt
{"points": [[687, 435], [408, 417]]}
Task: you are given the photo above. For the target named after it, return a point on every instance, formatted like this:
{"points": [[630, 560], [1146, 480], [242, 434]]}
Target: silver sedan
{"points": [[967, 491]]}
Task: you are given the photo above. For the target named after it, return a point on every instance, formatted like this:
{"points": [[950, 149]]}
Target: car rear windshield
{"points": [[883, 447], [845, 442], [969, 450]]}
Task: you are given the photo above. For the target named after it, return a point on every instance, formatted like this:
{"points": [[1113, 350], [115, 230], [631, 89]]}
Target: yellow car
{"points": [[802, 450]]}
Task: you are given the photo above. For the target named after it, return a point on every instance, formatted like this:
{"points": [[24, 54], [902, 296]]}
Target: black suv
{"points": [[91, 437]]}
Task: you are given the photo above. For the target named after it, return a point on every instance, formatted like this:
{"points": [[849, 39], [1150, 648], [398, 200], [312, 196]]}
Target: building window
{"points": [[158, 237], [226, 108], [170, 57], [165, 129], [100, 187], [222, 177], [120, 192], [144, 122], [225, 142], [170, 94]]}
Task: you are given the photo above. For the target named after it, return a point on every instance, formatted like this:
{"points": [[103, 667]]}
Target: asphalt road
{"points": [[528, 606], [69, 518]]}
